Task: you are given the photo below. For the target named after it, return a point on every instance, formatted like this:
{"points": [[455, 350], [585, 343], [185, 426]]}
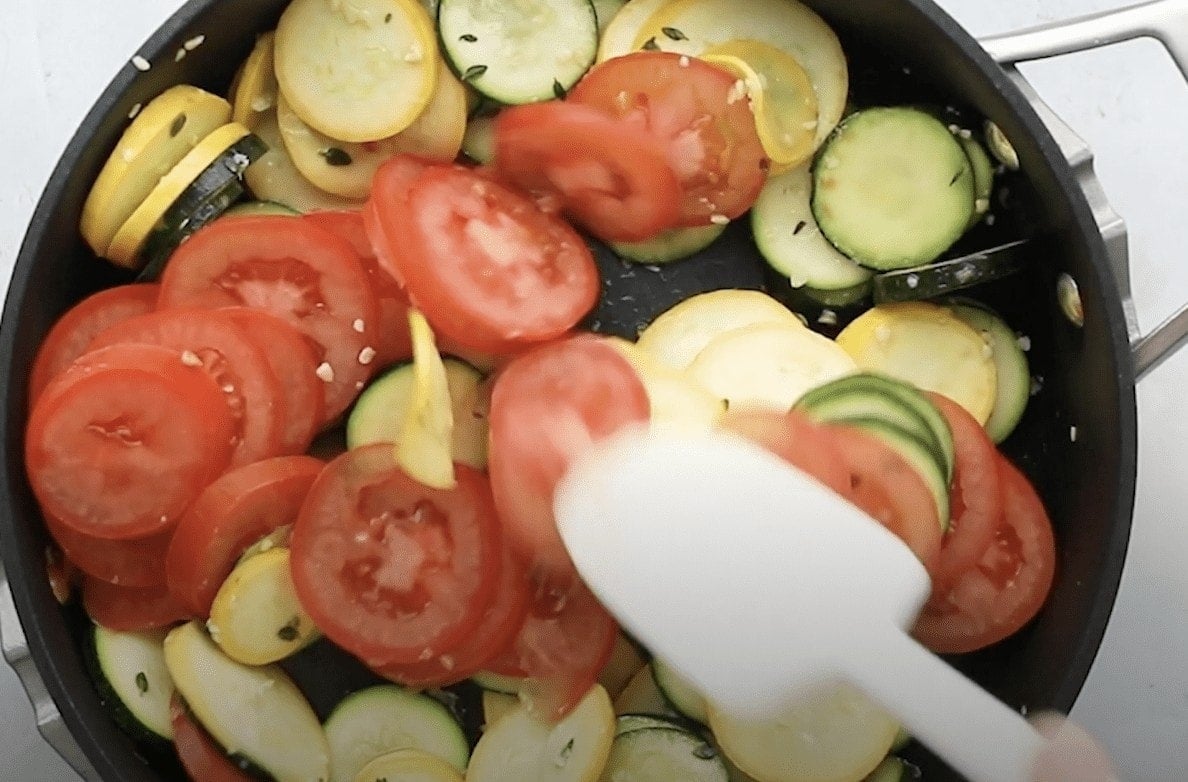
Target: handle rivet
{"points": [[1069, 297]]}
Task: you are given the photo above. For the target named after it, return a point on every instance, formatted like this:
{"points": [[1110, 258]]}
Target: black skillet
{"points": [[900, 50]]}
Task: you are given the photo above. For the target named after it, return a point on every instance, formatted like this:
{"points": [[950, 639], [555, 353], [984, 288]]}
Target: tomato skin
{"points": [[389, 569], [294, 364], [547, 406], [612, 177], [71, 333], [796, 439], [486, 266], [233, 360], [1006, 588], [130, 609], [120, 444], [295, 270], [976, 498], [886, 487], [711, 139], [565, 641], [241, 507], [139, 562], [494, 634], [393, 342], [202, 758]]}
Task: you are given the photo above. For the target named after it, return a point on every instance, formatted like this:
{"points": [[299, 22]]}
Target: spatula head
{"points": [[745, 574]]}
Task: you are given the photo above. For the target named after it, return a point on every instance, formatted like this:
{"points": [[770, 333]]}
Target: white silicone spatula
{"points": [[757, 583]]}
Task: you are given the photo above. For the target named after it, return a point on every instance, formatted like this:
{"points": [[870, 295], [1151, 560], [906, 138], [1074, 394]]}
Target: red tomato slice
{"points": [[70, 335], [298, 272], [200, 755], [130, 609], [293, 363], [565, 641], [796, 439], [392, 342], [139, 562], [122, 442], [546, 407], [1007, 586], [391, 570], [711, 140], [231, 514], [885, 485], [495, 632], [230, 356], [485, 265], [390, 187], [612, 177], [975, 499]]}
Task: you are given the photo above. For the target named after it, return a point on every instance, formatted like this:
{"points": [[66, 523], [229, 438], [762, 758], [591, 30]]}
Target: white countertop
{"points": [[1128, 102]]}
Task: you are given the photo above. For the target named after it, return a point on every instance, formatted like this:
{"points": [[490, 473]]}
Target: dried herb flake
{"points": [[179, 122], [674, 34], [651, 45], [558, 90], [142, 683], [336, 156], [288, 633], [468, 37], [956, 177], [387, 18], [799, 227], [473, 72]]}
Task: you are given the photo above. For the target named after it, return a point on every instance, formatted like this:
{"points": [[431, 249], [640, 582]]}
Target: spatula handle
{"points": [[970, 729]]}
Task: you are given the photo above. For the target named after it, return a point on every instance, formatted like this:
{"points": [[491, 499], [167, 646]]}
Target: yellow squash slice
{"points": [[256, 617], [619, 36], [163, 133], [408, 765], [424, 450], [928, 346], [274, 177], [833, 735], [769, 365], [679, 334], [357, 70], [346, 169], [255, 90], [782, 98], [693, 26], [130, 238]]}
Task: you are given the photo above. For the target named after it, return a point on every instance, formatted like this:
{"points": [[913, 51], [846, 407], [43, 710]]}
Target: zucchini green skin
{"points": [[687, 755], [215, 190], [1013, 369], [892, 188], [548, 59], [679, 693], [111, 700], [669, 246]]}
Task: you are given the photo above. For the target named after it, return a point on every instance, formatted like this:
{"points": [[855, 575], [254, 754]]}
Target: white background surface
{"points": [[1129, 102]]}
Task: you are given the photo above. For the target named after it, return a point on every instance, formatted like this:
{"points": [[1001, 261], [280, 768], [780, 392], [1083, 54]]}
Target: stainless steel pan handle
{"points": [[1167, 22]]}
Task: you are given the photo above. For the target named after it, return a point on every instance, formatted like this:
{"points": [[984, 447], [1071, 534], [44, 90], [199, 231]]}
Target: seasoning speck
{"points": [[800, 226], [473, 72], [325, 372], [913, 281], [1025, 343], [1072, 434], [684, 61], [181, 55], [142, 683], [650, 45], [194, 42], [190, 358], [132, 112], [366, 355], [288, 633], [674, 34], [717, 219], [468, 38], [559, 91], [336, 156], [827, 318], [359, 326], [140, 63]]}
